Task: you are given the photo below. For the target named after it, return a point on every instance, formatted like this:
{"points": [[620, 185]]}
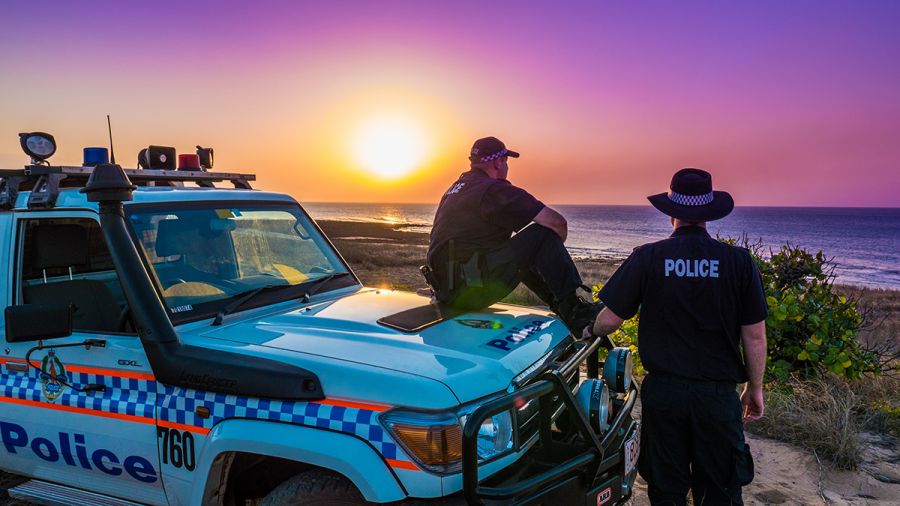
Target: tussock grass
{"points": [[883, 309], [882, 404], [826, 414], [368, 255]]}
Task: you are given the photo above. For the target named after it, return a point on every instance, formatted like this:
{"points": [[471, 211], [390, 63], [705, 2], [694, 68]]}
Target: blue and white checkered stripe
{"points": [[691, 200], [21, 386], [123, 396], [496, 155], [178, 405], [128, 396]]}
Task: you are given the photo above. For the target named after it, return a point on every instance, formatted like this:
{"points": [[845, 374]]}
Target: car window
{"points": [[204, 255], [65, 260]]}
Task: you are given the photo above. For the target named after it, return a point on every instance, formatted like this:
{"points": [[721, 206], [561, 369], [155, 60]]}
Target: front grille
{"points": [[527, 419]]}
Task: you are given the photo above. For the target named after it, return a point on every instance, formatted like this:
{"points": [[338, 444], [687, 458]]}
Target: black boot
{"points": [[577, 313]]}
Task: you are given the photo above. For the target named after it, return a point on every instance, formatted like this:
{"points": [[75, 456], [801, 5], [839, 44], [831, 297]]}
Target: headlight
{"points": [[495, 436], [435, 440]]}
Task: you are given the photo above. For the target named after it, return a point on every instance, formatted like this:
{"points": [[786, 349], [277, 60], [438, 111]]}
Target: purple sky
{"points": [[786, 103]]}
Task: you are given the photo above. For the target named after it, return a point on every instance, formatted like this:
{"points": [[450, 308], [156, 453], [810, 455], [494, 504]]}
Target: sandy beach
{"points": [[384, 255]]}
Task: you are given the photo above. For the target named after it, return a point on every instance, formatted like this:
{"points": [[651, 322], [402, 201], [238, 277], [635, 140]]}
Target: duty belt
{"points": [[693, 384]]}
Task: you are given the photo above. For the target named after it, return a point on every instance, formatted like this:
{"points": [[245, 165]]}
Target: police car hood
{"points": [[474, 354]]}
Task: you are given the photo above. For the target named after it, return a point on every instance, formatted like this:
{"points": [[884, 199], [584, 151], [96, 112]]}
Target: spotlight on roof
{"points": [[38, 145]]}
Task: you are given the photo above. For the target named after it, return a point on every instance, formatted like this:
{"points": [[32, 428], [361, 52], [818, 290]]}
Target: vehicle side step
{"points": [[51, 494]]}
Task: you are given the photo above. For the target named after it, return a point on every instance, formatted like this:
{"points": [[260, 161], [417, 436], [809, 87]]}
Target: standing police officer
{"points": [[700, 300], [472, 261]]}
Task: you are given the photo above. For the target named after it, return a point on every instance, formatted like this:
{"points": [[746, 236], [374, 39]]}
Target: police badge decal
{"points": [[481, 324], [53, 377]]}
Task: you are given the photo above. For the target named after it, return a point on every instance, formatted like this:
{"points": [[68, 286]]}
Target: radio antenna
{"points": [[112, 152]]}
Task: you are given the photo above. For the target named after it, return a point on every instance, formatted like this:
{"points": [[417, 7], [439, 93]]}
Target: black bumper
{"points": [[569, 466]]}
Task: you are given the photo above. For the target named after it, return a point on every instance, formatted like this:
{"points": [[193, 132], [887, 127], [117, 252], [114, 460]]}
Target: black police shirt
{"points": [[479, 213], [694, 293]]}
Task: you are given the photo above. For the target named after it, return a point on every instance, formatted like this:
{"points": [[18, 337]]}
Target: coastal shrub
{"points": [[810, 327]]}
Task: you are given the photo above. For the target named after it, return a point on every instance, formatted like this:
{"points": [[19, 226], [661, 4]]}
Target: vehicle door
{"points": [[74, 414]]}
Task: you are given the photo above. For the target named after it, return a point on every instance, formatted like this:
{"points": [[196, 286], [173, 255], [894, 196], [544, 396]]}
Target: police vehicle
{"points": [[169, 341]]}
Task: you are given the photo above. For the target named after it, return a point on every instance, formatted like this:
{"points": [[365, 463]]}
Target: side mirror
{"points": [[30, 322]]}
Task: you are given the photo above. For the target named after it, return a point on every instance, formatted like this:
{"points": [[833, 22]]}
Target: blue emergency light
{"points": [[95, 156]]}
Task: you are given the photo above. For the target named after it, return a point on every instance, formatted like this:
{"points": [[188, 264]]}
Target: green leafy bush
{"points": [[626, 336], [810, 327]]}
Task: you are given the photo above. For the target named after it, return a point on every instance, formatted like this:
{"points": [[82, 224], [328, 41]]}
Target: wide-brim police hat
{"points": [[691, 198]]}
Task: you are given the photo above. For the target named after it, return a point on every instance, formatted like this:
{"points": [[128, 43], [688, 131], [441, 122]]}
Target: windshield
{"points": [[204, 257]]}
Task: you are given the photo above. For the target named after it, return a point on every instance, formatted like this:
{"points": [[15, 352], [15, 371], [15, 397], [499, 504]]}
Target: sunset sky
{"points": [[785, 102]]}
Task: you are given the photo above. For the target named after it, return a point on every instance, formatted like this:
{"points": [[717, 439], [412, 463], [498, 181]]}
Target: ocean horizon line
{"points": [[864, 242]]}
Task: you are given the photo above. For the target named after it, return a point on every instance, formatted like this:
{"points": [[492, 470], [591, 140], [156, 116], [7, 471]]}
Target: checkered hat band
{"points": [[496, 155], [691, 200]]}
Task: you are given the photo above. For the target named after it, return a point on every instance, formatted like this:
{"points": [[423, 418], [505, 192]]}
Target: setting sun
{"points": [[389, 147]]}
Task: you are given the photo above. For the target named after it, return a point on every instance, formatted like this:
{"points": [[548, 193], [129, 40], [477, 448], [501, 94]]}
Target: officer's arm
{"points": [[606, 323], [753, 338], [554, 221]]}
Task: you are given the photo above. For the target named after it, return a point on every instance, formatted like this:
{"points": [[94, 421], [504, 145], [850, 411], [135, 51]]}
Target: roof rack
{"points": [[44, 181]]}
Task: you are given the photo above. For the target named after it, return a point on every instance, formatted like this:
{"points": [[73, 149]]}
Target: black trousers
{"points": [[692, 438], [536, 257]]}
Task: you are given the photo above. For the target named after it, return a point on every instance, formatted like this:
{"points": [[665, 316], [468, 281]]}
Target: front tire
{"points": [[315, 488]]}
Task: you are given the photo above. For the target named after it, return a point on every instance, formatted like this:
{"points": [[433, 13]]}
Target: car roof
{"points": [[72, 198]]}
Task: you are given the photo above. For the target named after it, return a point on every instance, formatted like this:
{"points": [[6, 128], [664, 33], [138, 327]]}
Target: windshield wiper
{"points": [[242, 299], [245, 297], [319, 283]]}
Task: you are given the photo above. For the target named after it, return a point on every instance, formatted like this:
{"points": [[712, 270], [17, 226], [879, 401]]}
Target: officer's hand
{"points": [[752, 402], [586, 334]]}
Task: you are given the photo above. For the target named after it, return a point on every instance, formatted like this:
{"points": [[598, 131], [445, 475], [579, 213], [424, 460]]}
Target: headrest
{"points": [[60, 246], [171, 235]]}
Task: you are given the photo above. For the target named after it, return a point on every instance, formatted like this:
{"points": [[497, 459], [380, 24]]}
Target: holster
{"points": [[471, 271], [457, 275], [430, 278]]}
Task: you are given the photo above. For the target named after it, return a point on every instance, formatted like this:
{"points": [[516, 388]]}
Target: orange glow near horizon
{"points": [[389, 142], [390, 146]]}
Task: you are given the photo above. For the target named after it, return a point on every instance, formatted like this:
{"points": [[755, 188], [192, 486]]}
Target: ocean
{"points": [[863, 243]]}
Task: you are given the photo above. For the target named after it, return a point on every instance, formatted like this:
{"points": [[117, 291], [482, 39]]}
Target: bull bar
{"points": [[589, 456]]}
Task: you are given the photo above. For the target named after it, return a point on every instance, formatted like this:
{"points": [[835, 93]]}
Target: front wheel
{"points": [[315, 488]]}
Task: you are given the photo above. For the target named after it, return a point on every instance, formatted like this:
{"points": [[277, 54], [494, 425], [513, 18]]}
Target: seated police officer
{"points": [[701, 302], [473, 260]]}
